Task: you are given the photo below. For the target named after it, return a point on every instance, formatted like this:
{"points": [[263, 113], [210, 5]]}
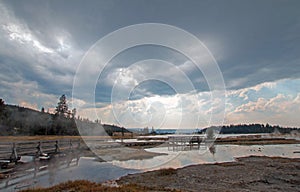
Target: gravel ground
{"points": [[246, 174]]}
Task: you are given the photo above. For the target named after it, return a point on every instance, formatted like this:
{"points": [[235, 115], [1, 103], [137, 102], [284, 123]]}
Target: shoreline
{"points": [[167, 179], [253, 173]]}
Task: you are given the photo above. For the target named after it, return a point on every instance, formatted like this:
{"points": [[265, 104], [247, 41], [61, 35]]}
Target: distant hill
{"points": [[16, 120], [252, 129]]}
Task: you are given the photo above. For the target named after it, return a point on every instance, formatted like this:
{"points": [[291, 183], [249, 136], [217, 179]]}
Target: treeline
{"points": [[15, 120], [253, 128]]}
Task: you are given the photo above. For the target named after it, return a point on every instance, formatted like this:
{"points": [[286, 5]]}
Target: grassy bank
{"points": [[84, 186], [55, 137]]}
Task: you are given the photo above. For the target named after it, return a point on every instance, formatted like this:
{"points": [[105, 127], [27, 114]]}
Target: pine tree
{"points": [[2, 105], [2, 109], [62, 106]]}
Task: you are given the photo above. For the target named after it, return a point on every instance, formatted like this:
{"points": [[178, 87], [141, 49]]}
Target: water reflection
{"points": [[212, 149], [65, 168], [213, 154], [31, 170], [61, 169]]}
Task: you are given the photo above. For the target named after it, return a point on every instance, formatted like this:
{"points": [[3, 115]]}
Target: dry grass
{"points": [[35, 138], [54, 137], [165, 172], [230, 164], [84, 186]]}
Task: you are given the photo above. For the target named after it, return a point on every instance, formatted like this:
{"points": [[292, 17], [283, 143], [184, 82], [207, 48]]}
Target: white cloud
{"points": [[190, 110], [187, 66], [269, 85], [29, 105], [195, 108], [125, 77], [17, 33], [270, 102], [27, 93], [19, 44]]}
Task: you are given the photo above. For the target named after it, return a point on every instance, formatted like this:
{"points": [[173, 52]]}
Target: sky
{"points": [[253, 46]]}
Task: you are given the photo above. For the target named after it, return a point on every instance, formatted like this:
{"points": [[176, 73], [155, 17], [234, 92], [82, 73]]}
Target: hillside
{"points": [[16, 120]]}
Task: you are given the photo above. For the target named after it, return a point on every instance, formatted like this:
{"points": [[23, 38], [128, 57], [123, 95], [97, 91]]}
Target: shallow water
{"points": [[49, 174], [83, 168], [223, 153]]}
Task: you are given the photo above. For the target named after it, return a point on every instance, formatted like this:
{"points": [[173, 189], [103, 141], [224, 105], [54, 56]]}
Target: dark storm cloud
{"points": [[253, 41]]}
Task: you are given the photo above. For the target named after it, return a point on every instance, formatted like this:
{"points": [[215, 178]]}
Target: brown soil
{"points": [[247, 174], [255, 140]]}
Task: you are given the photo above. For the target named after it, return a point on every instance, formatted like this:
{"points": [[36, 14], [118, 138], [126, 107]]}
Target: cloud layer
{"points": [[256, 46]]}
